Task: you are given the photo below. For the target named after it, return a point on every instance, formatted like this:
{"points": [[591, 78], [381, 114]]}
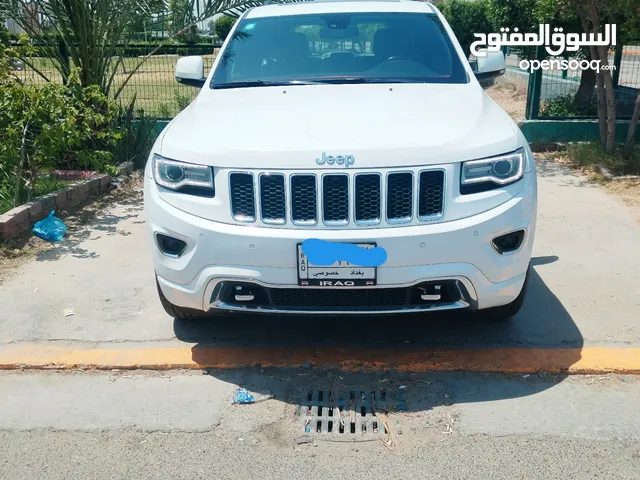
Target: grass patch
{"points": [[589, 155], [45, 185]]}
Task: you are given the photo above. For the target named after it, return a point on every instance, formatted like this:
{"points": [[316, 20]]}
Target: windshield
{"points": [[339, 48]]}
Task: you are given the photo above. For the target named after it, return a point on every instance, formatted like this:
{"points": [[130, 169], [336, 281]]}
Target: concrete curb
{"points": [[22, 218], [563, 131], [587, 360], [606, 173]]}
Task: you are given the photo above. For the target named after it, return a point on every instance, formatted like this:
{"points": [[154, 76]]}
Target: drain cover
{"points": [[350, 412]]}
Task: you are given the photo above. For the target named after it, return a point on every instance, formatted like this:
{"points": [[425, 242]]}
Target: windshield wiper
{"points": [[318, 81], [264, 83], [340, 80], [355, 80], [280, 83]]}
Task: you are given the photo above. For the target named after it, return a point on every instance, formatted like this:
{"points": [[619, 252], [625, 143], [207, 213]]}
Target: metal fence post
{"points": [[527, 112], [534, 91], [617, 62]]}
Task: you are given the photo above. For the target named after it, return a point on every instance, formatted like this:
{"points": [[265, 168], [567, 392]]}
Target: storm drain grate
{"points": [[349, 412]]}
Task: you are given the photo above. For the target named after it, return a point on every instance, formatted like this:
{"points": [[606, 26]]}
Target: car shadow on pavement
{"points": [[336, 344]]}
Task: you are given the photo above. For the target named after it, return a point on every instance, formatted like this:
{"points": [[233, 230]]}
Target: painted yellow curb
{"points": [[507, 360]]}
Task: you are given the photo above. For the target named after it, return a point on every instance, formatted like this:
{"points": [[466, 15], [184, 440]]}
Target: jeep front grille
{"points": [[399, 197], [431, 193], [272, 198], [337, 199], [304, 199], [368, 188], [243, 202]]}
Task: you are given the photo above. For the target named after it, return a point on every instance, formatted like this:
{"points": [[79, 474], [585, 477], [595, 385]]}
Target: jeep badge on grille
{"points": [[346, 160]]}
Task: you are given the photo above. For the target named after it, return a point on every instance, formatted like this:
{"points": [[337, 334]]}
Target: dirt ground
{"points": [[510, 98], [628, 191], [625, 190]]}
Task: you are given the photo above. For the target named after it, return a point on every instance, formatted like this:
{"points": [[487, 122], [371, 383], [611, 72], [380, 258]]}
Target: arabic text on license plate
{"points": [[340, 274]]}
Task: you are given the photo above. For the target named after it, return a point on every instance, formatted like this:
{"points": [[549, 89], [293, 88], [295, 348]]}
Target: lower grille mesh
{"points": [[347, 299]]}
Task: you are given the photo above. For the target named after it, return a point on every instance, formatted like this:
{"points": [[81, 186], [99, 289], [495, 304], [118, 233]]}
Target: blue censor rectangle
{"points": [[323, 253]]}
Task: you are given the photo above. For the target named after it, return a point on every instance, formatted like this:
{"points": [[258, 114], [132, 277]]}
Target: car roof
{"points": [[340, 6]]}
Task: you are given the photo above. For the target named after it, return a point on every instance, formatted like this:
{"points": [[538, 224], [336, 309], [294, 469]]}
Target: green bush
{"points": [[164, 110], [170, 109], [142, 48], [566, 106], [181, 100], [137, 143], [223, 26], [49, 126], [466, 18], [133, 50]]}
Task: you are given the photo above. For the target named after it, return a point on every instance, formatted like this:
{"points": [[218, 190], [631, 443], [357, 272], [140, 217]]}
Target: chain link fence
{"points": [[559, 93], [153, 84]]}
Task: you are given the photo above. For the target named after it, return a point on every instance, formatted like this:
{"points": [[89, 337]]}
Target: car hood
{"points": [[380, 125]]}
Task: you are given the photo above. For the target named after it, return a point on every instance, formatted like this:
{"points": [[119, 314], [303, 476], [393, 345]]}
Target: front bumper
{"points": [[458, 251]]}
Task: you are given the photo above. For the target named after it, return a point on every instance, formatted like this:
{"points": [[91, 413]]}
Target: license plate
{"points": [[340, 274]]}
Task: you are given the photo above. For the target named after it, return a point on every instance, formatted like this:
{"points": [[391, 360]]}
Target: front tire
{"points": [[175, 311], [508, 311]]}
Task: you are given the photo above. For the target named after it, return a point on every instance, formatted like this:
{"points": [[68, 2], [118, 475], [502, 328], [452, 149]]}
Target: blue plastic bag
{"points": [[243, 396], [51, 228]]}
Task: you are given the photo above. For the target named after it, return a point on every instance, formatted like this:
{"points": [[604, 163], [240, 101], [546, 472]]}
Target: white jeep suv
{"points": [[341, 157]]}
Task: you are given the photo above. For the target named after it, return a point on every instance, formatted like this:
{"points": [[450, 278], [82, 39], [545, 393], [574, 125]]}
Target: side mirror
{"points": [[491, 65], [190, 71]]}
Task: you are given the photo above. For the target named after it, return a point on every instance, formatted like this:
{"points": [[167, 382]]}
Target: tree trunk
{"points": [[602, 54], [610, 94], [611, 112], [631, 135], [600, 92], [585, 90], [602, 109]]}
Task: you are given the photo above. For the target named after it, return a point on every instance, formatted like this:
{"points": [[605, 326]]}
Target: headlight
{"points": [[493, 172], [183, 177]]}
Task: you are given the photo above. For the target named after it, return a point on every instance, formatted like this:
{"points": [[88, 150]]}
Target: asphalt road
{"points": [[132, 425]]}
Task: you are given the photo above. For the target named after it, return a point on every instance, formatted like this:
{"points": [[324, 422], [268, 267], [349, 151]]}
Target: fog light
{"points": [[172, 247], [508, 242], [243, 294]]}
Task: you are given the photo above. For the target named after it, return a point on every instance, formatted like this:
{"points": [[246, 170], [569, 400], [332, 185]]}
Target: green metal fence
{"points": [[154, 84], [570, 94], [551, 94]]}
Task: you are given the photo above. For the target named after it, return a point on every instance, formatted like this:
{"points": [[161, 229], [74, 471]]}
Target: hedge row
{"points": [[143, 48], [139, 49]]}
